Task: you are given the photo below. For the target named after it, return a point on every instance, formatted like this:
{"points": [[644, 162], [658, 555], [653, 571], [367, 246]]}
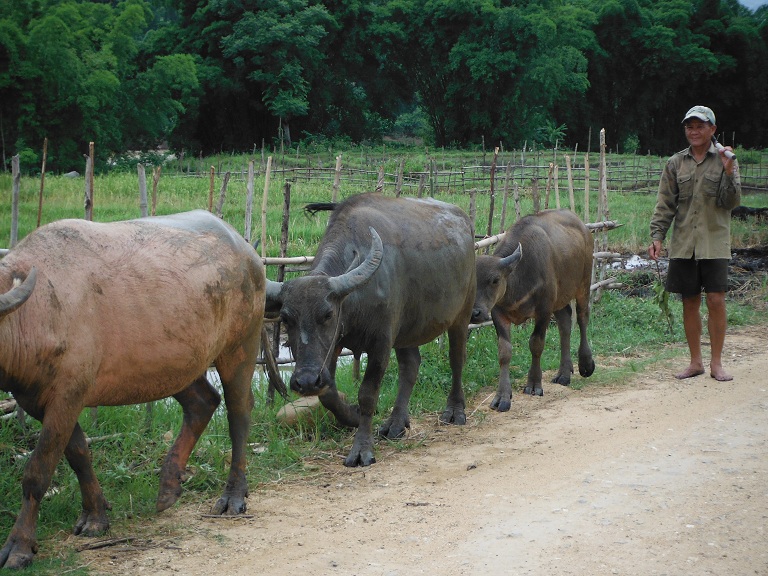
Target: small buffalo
{"points": [[543, 262], [388, 273], [125, 313]]}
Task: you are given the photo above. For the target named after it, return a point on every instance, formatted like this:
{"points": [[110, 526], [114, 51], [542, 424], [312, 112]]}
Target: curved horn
{"points": [[274, 300], [347, 282], [17, 295], [508, 261]]}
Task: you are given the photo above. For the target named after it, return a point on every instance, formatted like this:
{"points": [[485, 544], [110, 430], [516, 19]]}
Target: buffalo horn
{"points": [[17, 295], [347, 282], [514, 257]]}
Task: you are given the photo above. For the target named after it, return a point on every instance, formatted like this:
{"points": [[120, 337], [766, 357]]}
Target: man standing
{"points": [[698, 189]]}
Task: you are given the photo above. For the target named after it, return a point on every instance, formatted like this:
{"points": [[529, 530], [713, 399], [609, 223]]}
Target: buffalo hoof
{"points": [[562, 379], [15, 555], [229, 506], [501, 404], [91, 524], [586, 368], [364, 458], [167, 497], [534, 390], [453, 415], [393, 430]]}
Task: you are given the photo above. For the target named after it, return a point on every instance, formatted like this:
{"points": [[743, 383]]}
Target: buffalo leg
{"points": [[58, 423], [408, 362], [93, 519], [457, 356], [564, 325], [536, 346], [198, 402], [361, 453], [586, 362], [503, 400], [345, 413], [236, 374]]}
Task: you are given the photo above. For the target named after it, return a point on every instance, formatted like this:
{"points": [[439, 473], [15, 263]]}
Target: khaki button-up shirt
{"points": [[699, 198]]}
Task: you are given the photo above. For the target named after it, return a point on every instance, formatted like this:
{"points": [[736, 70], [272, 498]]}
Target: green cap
{"points": [[702, 113]]}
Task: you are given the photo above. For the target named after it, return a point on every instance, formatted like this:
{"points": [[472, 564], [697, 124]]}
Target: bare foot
{"points": [[720, 375], [690, 372]]}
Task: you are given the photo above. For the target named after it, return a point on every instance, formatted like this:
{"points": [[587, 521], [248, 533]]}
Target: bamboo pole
{"points": [[267, 176], [493, 191], [399, 183], [89, 176], [16, 175], [535, 195], [472, 209], [210, 188], [556, 178], [507, 176], [586, 186], [380, 180], [223, 194], [549, 185], [42, 182], [336, 179], [155, 180], [249, 202], [142, 190], [569, 170]]}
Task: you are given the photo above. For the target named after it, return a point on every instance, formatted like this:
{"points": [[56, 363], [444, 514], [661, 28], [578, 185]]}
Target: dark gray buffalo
{"points": [[389, 273], [125, 313], [543, 262]]}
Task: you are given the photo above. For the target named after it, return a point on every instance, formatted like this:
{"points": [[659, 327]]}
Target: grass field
{"points": [[129, 447]]}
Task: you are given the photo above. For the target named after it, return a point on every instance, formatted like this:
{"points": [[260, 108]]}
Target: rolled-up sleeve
{"points": [[729, 193]]}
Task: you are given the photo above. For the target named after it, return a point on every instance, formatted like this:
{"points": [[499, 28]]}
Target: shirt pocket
{"points": [[685, 186], [710, 184]]}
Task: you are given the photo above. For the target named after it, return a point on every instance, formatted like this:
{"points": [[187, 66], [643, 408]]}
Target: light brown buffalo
{"points": [[125, 313], [553, 269]]}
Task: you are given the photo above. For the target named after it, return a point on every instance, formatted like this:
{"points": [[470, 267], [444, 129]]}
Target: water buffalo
{"points": [[125, 313], [416, 281], [543, 262]]}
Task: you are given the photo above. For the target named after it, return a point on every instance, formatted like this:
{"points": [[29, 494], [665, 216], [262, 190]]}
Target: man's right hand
{"points": [[654, 250]]}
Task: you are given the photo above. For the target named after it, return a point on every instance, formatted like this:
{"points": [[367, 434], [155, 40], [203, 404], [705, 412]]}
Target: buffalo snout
{"points": [[309, 382], [480, 315]]}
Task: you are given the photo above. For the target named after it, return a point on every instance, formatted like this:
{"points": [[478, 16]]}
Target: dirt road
{"points": [[653, 477]]}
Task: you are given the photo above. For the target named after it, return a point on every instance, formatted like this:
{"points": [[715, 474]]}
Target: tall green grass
{"points": [[626, 333]]}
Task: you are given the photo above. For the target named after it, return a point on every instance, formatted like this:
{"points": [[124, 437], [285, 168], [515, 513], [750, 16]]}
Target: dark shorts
{"points": [[688, 277]]}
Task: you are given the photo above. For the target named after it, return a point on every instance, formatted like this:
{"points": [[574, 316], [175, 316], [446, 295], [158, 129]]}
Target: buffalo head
{"points": [[492, 273], [310, 308]]}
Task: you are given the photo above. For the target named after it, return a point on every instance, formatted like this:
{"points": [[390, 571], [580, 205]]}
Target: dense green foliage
{"points": [[231, 75]]}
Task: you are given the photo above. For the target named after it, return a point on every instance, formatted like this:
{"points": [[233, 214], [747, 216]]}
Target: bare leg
{"points": [[692, 326], [716, 326]]}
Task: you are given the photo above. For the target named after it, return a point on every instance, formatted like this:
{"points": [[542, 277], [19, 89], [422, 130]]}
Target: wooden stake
{"points": [[155, 180], [42, 182], [336, 179], [16, 175], [142, 190], [267, 176], [570, 183], [210, 189], [91, 157], [493, 191], [249, 202]]}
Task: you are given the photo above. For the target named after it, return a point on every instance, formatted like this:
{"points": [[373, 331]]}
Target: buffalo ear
{"points": [[509, 262], [274, 299]]}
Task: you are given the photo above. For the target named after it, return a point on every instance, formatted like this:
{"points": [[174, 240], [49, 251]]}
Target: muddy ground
{"points": [[652, 476]]}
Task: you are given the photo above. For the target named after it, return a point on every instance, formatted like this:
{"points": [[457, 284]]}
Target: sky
{"points": [[753, 4]]}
